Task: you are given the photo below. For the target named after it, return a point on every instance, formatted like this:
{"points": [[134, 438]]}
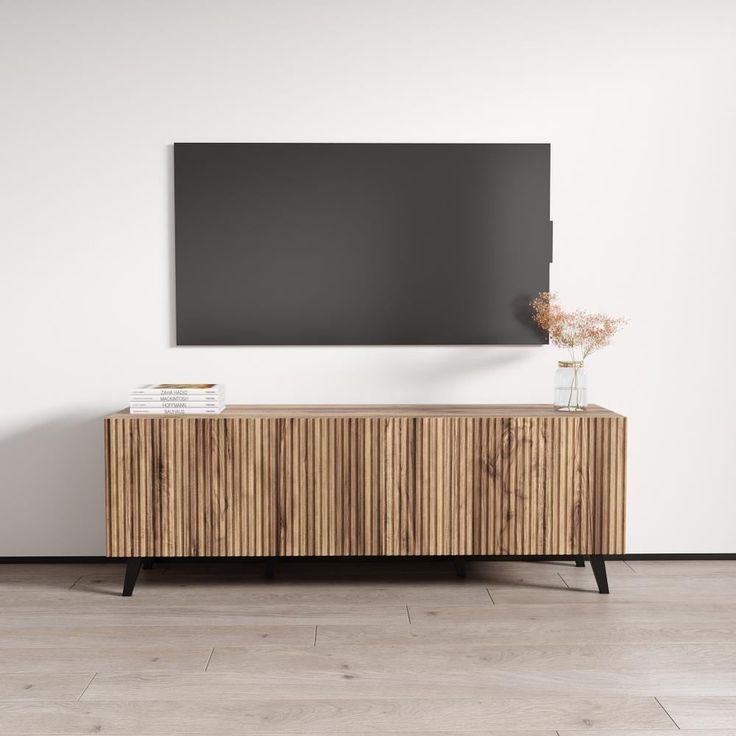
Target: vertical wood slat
{"points": [[350, 485]]}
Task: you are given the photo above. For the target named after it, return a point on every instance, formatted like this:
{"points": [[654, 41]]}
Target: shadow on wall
{"points": [[171, 245], [449, 367], [52, 489]]}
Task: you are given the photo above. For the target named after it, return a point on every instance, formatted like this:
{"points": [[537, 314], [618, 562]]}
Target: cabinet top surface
{"points": [[385, 410]]}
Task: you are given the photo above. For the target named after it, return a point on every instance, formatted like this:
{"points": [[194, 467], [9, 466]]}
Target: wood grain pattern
{"points": [[63, 660], [428, 674], [332, 716], [43, 686], [702, 712], [302, 481]]}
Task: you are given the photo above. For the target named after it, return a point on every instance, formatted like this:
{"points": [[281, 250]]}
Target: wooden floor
{"points": [[369, 648]]}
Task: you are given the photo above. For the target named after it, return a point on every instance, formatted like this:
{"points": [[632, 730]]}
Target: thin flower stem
{"points": [[573, 387]]}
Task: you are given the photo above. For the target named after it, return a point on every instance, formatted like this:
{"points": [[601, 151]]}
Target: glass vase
{"points": [[571, 386]]}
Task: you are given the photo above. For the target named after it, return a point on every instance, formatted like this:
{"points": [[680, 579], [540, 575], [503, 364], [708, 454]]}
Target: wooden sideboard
{"points": [[284, 481]]}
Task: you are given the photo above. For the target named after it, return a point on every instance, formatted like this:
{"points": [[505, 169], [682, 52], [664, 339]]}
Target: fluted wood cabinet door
{"points": [[302, 481]]}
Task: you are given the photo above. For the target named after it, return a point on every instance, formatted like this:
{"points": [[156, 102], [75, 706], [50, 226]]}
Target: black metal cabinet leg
{"points": [[459, 564], [599, 570], [580, 562], [131, 575]]}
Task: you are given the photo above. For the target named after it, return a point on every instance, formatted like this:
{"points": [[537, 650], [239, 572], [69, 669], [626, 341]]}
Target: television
{"points": [[360, 243]]}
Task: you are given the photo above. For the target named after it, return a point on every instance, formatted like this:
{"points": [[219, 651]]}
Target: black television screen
{"points": [[360, 243]]}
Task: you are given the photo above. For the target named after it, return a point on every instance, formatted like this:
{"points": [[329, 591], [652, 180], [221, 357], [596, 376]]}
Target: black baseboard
{"points": [[487, 558]]}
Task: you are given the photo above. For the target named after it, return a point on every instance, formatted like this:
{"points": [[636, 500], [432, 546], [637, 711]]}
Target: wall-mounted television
{"points": [[360, 243]]}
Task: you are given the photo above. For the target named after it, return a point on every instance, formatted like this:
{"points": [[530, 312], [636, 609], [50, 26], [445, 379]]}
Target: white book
{"points": [[158, 398], [172, 403], [179, 389], [137, 410]]}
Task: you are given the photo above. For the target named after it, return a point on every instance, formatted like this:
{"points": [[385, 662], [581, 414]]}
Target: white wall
{"points": [[637, 97]]}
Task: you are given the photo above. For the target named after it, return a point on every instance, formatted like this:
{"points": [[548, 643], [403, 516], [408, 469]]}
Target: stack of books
{"points": [[178, 398]]}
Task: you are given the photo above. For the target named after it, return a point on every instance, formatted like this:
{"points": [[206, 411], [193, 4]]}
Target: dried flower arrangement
{"points": [[582, 333], [579, 332]]}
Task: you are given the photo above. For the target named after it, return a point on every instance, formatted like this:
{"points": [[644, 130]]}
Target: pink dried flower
{"points": [[582, 333]]}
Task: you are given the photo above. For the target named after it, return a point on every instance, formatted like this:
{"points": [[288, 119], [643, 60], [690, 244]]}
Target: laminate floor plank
{"points": [[84, 660], [448, 656], [157, 594], [719, 591], [389, 682], [720, 587], [142, 636], [43, 686], [702, 711], [540, 628], [609, 610], [484, 732], [327, 716], [629, 732], [348, 684], [38, 577], [200, 614], [685, 569]]}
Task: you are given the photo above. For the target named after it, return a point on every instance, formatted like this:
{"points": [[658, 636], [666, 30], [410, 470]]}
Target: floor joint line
{"points": [[408, 615], [94, 674], [488, 590], [209, 659], [667, 712]]}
